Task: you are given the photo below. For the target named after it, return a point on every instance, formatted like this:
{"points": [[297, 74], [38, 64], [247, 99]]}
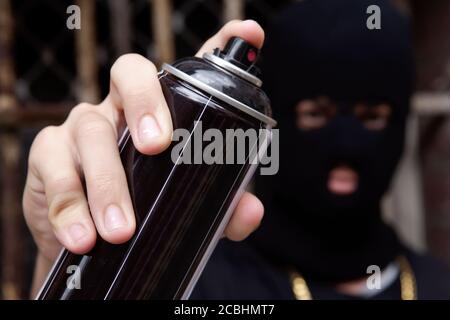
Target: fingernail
{"points": [[114, 218], [77, 232], [148, 129]]}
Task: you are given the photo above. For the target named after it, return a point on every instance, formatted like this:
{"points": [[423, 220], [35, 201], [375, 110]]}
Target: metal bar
{"points": [[162, 30], [431, 103], [233, 9], [12, 224], [7, 77], [86, 54], [120, 22], [33, 115], [12, 245]]}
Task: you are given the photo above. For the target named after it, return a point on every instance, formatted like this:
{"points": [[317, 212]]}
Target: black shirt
{"points": [[237, 271]]}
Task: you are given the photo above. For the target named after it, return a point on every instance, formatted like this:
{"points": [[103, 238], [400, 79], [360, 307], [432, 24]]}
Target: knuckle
{"points": [[91, 124], [131, 63], [124, 59], [130, 59], [43, 141], [64, 183], [102, 182], [46, 136], [79, 110], [64, 207]]}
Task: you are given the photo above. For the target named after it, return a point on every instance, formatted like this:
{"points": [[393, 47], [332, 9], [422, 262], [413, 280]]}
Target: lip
{"points": [[343, 180]]}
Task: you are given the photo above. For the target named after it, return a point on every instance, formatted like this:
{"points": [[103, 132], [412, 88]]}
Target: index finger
{"points": [[249, 30]]}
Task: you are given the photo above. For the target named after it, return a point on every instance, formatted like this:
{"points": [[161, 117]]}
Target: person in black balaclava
{"points": [[340, 93]]}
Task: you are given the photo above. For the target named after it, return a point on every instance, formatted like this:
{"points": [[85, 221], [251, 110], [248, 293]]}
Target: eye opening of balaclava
{"points": [[317, 113], [323, 48]]}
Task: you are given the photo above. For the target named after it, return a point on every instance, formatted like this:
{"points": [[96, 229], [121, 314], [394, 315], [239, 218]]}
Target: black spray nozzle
{"points": [[240, 53]]}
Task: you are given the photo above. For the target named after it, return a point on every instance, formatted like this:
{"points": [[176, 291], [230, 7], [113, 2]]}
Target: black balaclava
{"points": [[324, 48]]}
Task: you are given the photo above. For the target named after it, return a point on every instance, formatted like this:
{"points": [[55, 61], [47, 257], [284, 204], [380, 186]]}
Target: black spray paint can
{"points": [[182, 199]]}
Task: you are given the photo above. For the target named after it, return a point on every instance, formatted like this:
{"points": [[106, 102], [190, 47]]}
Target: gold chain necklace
{"points": [[407, 282]]}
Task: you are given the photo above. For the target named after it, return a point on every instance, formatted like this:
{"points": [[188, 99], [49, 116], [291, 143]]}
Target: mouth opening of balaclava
{"points": [[323, 48]]}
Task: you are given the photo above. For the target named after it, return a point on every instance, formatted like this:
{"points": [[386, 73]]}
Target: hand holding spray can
{"points": [[182, 198]]}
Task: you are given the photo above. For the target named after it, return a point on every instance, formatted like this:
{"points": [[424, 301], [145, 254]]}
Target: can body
{"points": [[181, 209]]}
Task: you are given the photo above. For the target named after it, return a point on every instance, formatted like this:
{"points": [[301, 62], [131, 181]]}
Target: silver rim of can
{"points": [[233, 69], [219, 95]]}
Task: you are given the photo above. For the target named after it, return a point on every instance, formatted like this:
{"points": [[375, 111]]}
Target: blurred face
{"points": [[314, 114], [343, 152]]}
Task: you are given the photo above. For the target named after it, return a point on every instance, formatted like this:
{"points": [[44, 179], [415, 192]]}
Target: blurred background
{"points": [[45, 69]]}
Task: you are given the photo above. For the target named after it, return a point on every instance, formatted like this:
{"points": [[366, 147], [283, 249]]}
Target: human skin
{"points": [[58, 211]]}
